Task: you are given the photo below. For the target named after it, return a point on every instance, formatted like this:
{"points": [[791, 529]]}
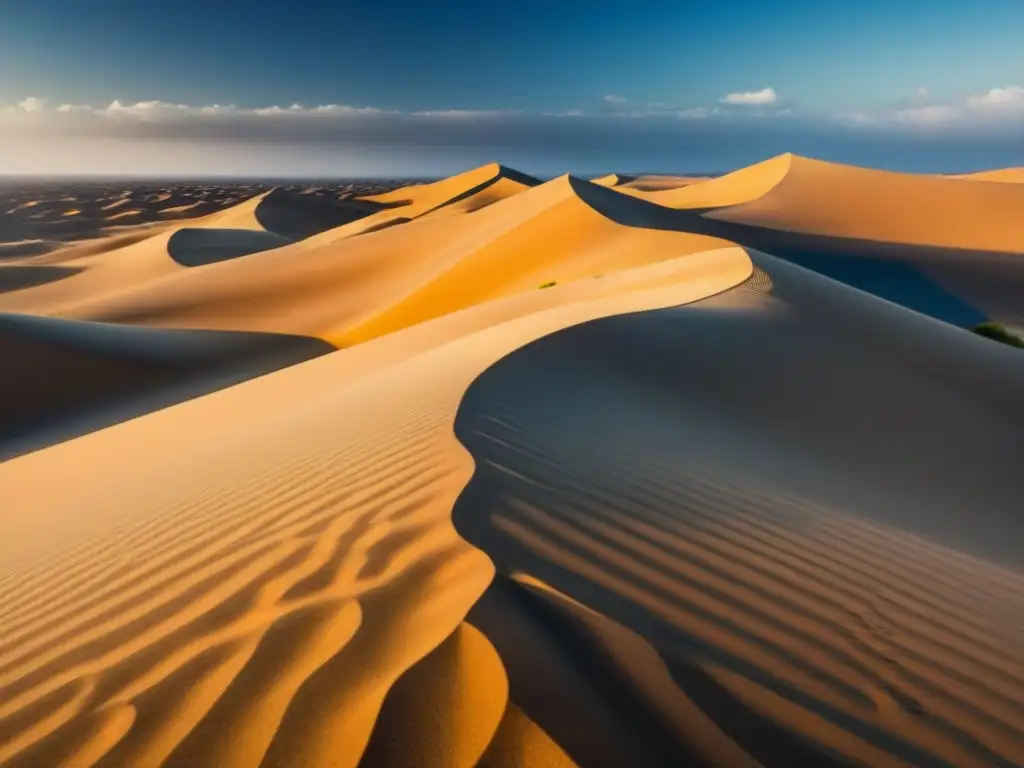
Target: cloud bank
{"points": [[615, 133], [996, 110]]}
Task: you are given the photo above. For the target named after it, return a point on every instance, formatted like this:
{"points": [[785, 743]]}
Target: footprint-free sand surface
{"points": [[495, 472]]}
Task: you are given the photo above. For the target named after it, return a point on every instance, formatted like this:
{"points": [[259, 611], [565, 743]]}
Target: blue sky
{"points": [[426, 88]]}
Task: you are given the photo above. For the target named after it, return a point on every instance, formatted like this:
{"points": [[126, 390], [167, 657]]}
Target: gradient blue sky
{"points": [[545, 85]]}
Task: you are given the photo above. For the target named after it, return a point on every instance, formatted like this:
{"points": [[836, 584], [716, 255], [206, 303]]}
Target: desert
{"points": [[502, 470]]}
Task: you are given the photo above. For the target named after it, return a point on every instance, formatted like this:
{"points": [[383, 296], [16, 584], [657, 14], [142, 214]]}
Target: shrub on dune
{"points": [[548, 284], [995, 331]]}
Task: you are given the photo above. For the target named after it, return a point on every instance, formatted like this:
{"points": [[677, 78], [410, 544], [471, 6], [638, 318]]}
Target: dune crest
{"points": [[407, 274], [815, 197]]}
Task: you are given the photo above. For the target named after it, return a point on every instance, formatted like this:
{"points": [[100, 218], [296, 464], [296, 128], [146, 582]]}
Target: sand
{"points": [[947, 247], [40, 216], [584, 483], [1015, 175]]}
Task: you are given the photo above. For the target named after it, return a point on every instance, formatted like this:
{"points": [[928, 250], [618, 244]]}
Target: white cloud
{"points": [[612, 98], [757, 98], [32, 104], [466, 114], [995, 108], [999, 98]]}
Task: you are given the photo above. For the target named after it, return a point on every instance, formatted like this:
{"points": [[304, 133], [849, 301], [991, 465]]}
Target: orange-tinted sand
{"points": [[588, 480]]}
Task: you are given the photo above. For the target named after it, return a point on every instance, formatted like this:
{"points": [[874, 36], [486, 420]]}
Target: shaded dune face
{"points": [[775, 502], [295, 217], [197, 247], [67, 377]]}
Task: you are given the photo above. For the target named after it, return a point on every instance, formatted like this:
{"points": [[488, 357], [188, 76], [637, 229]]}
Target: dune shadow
{"points": [[77, 377], [15, 277], [297, 217], [650, 466], [386, 224], [197, 247], [903, 274], [894, 280]]}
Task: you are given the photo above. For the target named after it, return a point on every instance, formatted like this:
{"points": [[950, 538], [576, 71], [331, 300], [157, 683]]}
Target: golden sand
{"points": [[584, 484]]}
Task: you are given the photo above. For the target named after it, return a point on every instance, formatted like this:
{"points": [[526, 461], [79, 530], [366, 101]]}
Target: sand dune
{"points": [[815, 197], [400, 276], [936, 245], [998, 174], [816, 591], [288, 215], [612, 180], [219, 619], [586, 484], [41, 213], [69, 377], [130, 260]]}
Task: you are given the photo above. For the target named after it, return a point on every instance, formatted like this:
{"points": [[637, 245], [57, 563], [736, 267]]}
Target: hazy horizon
{"points": [[269, 90]]}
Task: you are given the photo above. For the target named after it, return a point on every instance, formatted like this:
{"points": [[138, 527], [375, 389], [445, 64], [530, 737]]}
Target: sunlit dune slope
{"points": [[998, 174], [815, 197], [269, 574], [355, 289], [421, 198]]}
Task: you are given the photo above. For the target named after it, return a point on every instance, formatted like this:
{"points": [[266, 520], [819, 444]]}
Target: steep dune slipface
{"points": [[255, 586], [802, 499]]}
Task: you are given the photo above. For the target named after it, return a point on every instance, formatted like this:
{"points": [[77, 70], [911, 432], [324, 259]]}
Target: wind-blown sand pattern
{"points": [[585, 483]]}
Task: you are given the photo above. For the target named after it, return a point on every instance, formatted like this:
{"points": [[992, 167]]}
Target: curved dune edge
{"points": [[202, 601], [794, 594]]}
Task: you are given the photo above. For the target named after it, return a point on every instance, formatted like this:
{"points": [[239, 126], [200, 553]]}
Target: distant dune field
{"points": [[489, 471]]}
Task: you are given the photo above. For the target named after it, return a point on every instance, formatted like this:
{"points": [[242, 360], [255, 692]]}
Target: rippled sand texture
{"points": [[573, 480]]}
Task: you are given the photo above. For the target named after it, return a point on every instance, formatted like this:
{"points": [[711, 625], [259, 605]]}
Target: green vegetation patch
{"points": [[548, 284], [996, 332]]}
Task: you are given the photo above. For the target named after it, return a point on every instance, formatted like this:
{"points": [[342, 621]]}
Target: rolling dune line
{"points": [[276, 579], [808, 627]]}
